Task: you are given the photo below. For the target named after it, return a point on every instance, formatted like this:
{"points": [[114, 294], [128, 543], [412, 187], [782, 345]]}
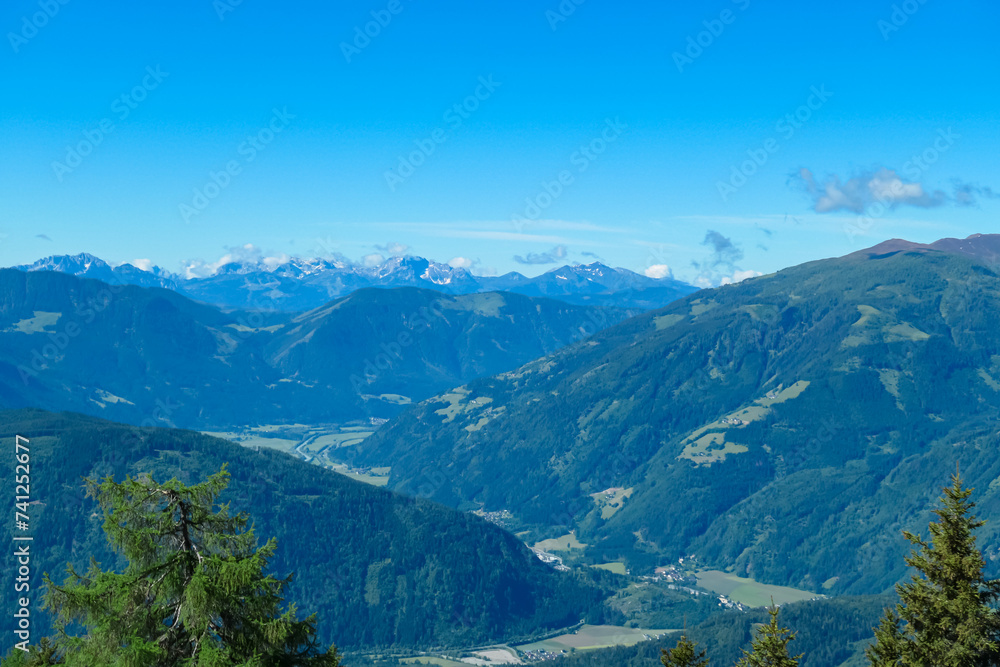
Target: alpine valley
{"points": [[588, 458], [786, 428]]}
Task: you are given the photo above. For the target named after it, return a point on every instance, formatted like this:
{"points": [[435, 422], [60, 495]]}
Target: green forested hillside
{"points": [[378, 568], [788, 427], [150, 356]]}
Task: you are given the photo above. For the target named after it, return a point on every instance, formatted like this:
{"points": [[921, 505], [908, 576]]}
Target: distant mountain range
{"points": [[787, 427], [303, 284], [150, 355]]}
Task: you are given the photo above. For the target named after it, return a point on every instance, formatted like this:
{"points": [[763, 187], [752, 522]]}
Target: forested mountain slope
{"points": [[788, 426], [150, 356], [379, 569]]}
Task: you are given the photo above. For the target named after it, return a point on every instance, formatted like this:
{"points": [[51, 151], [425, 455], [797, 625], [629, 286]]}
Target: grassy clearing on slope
{"points": [[710, 448], [567, 542], [611, 500], [617, 567], [37, 324], [707, 444], [666, 321], [373, 480], [749, 592]]}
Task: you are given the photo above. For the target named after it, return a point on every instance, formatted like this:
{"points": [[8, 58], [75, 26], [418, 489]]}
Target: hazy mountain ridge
{"points": [[846, 387], [150, 355], [298, 284]]}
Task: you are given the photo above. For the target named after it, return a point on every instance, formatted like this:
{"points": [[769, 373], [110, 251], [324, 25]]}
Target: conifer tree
{"points": [[770, 647], [683, 655], [43, 654], [194, 593], [948, 606], [888, 646]]}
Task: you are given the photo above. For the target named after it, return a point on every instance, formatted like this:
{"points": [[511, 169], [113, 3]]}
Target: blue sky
{"points": [[708, 139]]}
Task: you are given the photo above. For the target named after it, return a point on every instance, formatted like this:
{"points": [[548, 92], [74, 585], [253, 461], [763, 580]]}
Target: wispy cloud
{"points": [[503, 236], [725, 251], [392, 248], [492, 226], [720, 267], [968, 194], [551, 257]]}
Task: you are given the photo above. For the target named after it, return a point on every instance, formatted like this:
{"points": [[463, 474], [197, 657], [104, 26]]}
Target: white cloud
{"points": [[878, 186], [473, 266], [739, 276], [142, 264], [247, 253], [707, 280], [372, 260], [273, 262], [393, 248], [659, 271]]}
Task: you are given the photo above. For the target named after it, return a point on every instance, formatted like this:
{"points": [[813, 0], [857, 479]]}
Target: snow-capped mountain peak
{"points": [[297, 283]]}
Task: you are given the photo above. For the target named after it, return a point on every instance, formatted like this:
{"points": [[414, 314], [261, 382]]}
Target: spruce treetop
{"points": [[946, 616], [770, 646], [194, 592]]}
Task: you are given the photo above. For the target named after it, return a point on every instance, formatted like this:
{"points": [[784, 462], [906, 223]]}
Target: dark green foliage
{"points": [[683, 655], [42, 654], [653, 605], [887, 648], [948, 607], [903, 362], [194, 592], [380, 569], [770, 645]]}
